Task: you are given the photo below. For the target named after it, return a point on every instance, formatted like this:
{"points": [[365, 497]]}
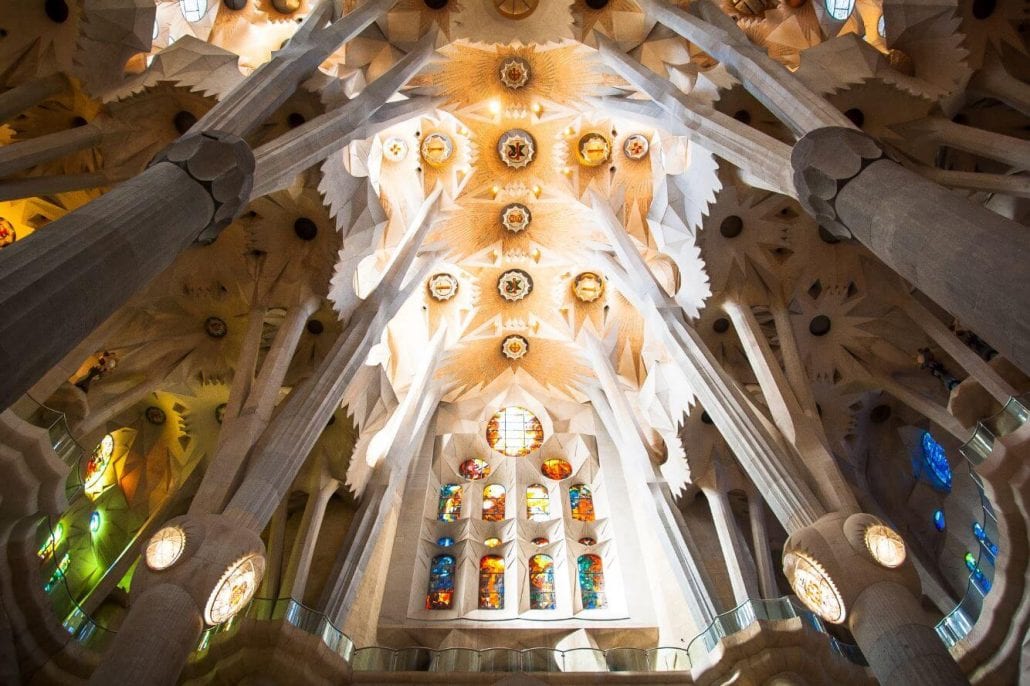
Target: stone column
{"points": [[760, 543], [296, 578], [20, 98], [61, 282], [963, 256], [745, 586], [848, 575], [24, 154]]}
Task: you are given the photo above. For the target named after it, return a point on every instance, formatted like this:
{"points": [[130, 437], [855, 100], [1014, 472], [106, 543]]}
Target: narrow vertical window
{"points": [[450, 503], [440, 594], [591, 582], [538, 503], [581, 501], [493, 503], [541, 582], [491, 583]]}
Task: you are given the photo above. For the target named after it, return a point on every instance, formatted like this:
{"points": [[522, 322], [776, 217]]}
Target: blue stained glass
{"points": [[541, 583], [445, 541], [990, 547], [936, 462], [440, 593], [450, 503], [591, 582], [938, 520], [976, 574]]}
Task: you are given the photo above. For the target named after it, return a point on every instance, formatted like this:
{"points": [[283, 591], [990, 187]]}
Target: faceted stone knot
{"points": [[223, 164], [824, 160]]}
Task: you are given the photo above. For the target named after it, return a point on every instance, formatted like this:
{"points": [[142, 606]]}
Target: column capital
{"points": [[824, 160], [224, 165]]}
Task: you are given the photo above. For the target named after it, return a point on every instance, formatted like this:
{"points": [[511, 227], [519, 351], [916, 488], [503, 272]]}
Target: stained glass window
{"points": [[581, 500], [450, 503], [840, 9], [493, 502], [445, 541], [591, 582], [587, 540], [938, 520], [474, 469], [976, 574], [556, 468], [491, 583], [193, 10], [935, 462], [98, 461], [538, 503], [440, 593], [990, 547], [541, 582], [514, 431], [540, 540], [492, 542]]}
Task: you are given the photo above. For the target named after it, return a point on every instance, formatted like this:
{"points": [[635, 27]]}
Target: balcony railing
{"points": [[1014, 415]]}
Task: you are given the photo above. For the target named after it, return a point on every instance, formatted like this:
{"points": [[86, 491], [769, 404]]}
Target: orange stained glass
{"points": [[493, 502], [491, 582], [515, 432], [474, 469], [541, 582], [581, 502], [450, 503], [556, 468]]}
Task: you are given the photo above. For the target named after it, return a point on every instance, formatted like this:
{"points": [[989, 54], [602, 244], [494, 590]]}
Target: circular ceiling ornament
{"points": [[215, 327], [515, 347], [155, 415], [813, 586], [636, 146], [593, 150], [437, 149], [395, 149], [885, 545], [442, 287], [515, 285], [516, 217], [7, 233], [516, 148], [515, 9], [515, 73], [235, 589], [588, 287], [165, 548]]}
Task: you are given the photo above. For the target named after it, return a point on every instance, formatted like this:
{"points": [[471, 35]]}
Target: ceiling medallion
{"points": [[515, 347], [588, 287], [594, 150], [516, 9], [516, 148], [395, 149], [515, 73], [516, 217], [813, 586], [442, 286], [215, 327], [885, 545], [437, 149], [7, 233], [636, 146], [515, 285]]}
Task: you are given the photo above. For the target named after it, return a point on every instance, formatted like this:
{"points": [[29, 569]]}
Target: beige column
{"points": [[275, 552], [942, 131], [745, 586], [295, 579], [20, 98], [28, 153], [975, 365], [760, 542]]}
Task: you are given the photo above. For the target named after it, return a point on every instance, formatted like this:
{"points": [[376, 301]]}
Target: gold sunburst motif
{"points": [[554, 365], [515, 347]]}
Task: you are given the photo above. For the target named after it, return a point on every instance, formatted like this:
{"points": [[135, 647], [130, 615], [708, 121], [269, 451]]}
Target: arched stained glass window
{"points": [[515, 432], [97, 463], [939, 522], [538, 503], [581, 500], [491, 583], [990, 547], [541, 582], [493, 502], [450, 503], [440, 594], [840, 9], [591, 582], [935, 464], [193, 10]]}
